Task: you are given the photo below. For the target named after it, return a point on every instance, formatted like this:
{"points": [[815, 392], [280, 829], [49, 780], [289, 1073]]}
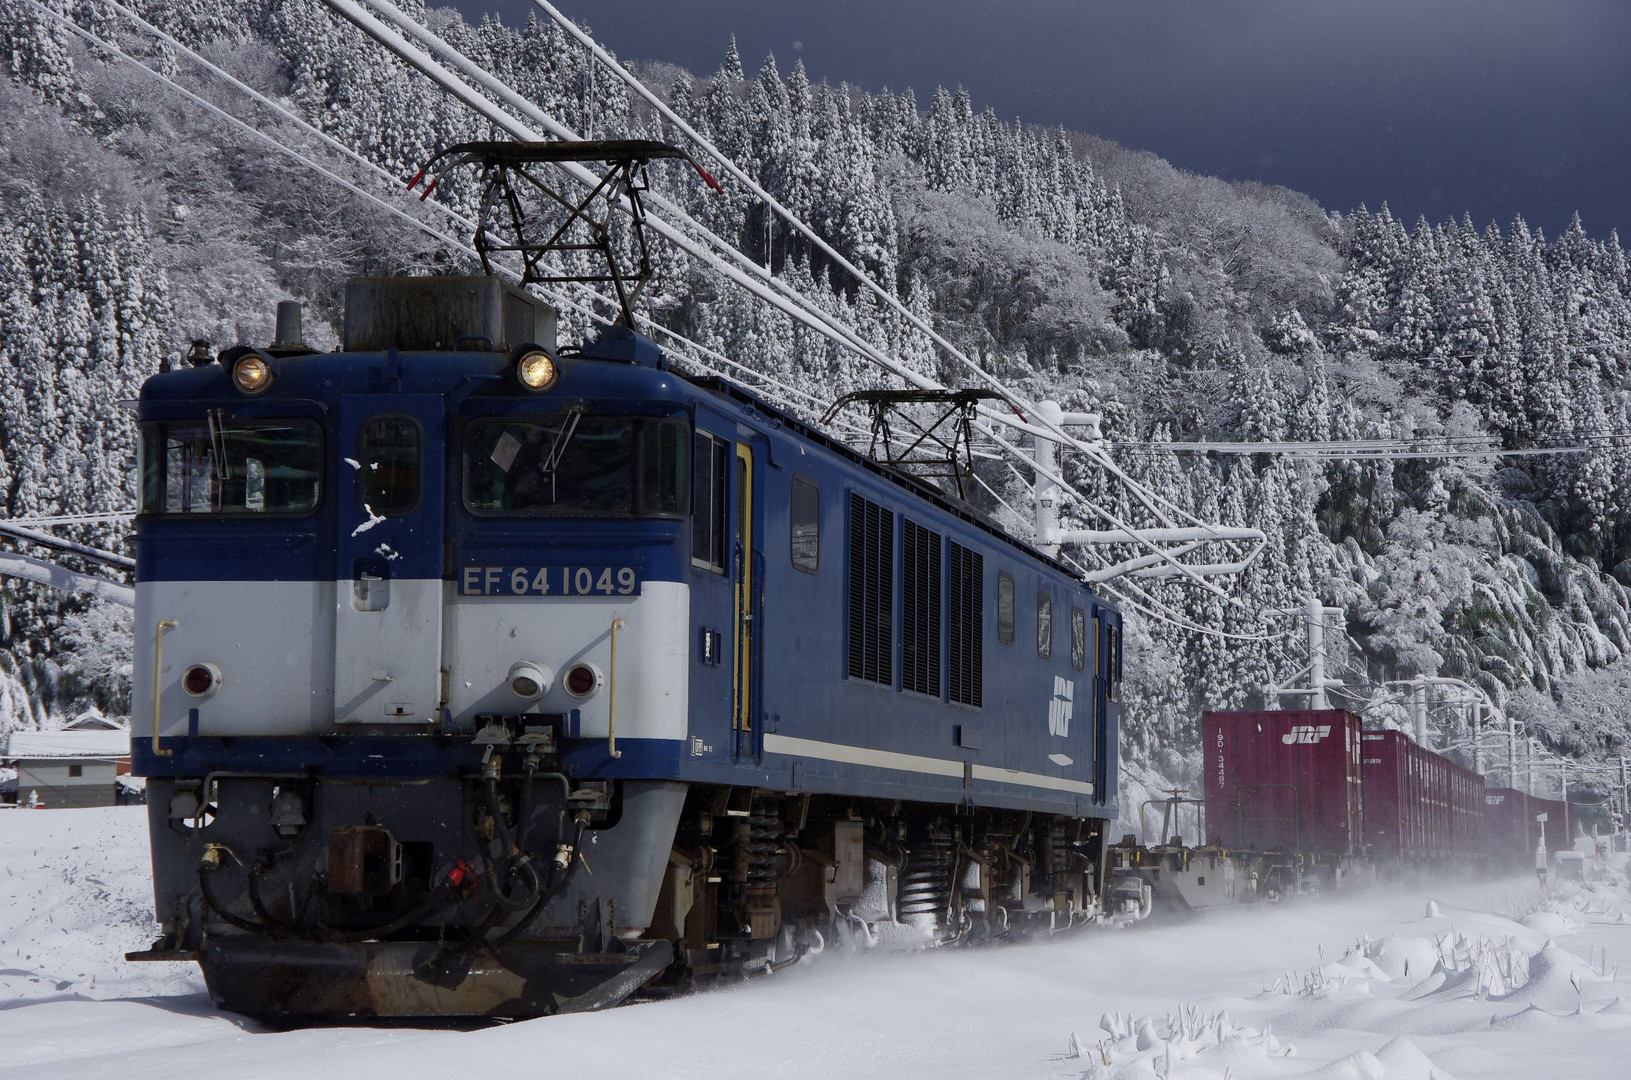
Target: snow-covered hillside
{"points": [[1476, 980], [1179, 306]]}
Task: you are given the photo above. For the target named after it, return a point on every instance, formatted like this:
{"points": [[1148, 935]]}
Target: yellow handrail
{"points": [[158, 663], [611, 703]]}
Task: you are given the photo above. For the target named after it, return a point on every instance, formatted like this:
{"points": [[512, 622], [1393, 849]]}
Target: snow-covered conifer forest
{"points": [[1181, 307]]}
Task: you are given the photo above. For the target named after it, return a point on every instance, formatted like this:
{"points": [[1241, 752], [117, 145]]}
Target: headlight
{"points": [[529, 681], [252, 374], [536, 370]]}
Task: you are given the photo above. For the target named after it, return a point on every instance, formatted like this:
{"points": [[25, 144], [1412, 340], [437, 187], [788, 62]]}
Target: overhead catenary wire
{"points": [[746, 273], [1123, 588], [1031, 420], [800, 309], [329, 140], [847, 335]]}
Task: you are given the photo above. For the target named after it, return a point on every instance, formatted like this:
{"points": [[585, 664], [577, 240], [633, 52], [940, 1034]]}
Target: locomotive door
{"points": [[747, 576], [1106, 704], [388, 559]]}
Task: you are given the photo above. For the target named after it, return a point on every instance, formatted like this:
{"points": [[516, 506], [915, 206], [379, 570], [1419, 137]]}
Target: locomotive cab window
{"points": [[220, 464], [1078, 639], [1005, 609], [804, 517], [576, 464], [388, 461], [710, 485], [1044, 625]]}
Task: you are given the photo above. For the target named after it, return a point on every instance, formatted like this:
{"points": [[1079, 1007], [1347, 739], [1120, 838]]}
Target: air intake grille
{"points": [[871, 585], [920, 610], [520, 321], [967, 574]]}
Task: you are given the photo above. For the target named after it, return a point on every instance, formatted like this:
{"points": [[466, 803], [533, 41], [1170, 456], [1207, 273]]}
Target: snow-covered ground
{"points": [[1474, 980]]}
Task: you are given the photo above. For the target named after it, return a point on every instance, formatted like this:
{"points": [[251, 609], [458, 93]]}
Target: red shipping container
{"points": [[1510, 828], [1283, 780], [1417, 803]]}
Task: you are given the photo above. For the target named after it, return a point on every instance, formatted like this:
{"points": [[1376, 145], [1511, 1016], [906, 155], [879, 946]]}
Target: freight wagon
{"points": [[1281, 812], [1419, 806], [1511, 831], [1298, 800], [1285, 782]]}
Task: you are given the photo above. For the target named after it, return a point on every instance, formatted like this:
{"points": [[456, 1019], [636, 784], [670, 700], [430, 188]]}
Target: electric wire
{"points": [[797, 306], [1015, 401], [329, 140], [355, 189]]}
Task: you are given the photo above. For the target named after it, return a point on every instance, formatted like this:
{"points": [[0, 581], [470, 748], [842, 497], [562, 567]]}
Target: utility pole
{"points": [[1316, 654], [1046, 452], [1512, 754], [1418, 699], [1625, 790], [1162, 549], [1478, 737], [1315, 612]]}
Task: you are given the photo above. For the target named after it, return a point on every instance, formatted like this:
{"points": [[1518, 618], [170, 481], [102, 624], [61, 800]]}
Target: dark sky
{"points": [[1496, 107]]}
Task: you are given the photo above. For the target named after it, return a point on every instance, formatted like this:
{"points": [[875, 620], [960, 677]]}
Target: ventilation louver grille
{"points": [[967, 574], [871, 580], [520, 321], [920, 609]]}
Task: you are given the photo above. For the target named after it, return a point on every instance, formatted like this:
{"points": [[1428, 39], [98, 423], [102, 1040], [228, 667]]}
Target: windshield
{"points": [[222, 465], [576, 464]]}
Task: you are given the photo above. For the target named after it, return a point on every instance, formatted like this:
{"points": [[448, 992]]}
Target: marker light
{"points": [[252, 374], [536, 370], [529, 681], [582, 680], [201, 680]]}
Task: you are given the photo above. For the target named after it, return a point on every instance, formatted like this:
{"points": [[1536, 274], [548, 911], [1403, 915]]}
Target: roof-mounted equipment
{"points": [[528, 211], [936, 430]]}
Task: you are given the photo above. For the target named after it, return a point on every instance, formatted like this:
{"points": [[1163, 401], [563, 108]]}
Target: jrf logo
{"points": [[1306, 733]]}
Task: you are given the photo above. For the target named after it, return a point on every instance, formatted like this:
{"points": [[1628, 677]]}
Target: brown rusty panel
{"points": [[363, 860]]}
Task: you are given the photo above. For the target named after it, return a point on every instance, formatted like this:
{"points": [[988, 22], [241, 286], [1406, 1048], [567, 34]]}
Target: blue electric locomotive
{"points": [[488, 678]]}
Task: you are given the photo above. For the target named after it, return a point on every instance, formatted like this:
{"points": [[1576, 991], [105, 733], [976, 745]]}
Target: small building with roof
{"points": [[68, 767]]}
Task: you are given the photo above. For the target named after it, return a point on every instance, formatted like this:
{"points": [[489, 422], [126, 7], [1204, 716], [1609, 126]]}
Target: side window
{"points": [[805, 519], [1044, 625], [710, 484], [388, 450], [1078, 639], [1005, 609]]}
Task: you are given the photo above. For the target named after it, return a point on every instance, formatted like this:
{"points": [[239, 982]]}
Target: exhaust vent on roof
{"points": [[443, 313]]}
